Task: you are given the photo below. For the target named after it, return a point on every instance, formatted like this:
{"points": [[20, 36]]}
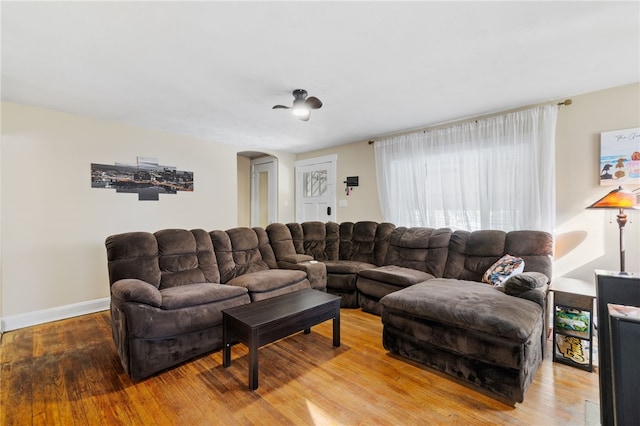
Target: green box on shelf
{"points": [[573, 320]]}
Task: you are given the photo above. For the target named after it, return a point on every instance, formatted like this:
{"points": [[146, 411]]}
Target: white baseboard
{"points": [[28, 319]]}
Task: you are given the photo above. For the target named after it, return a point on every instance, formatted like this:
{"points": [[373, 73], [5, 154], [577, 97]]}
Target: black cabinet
{"points": [[620, 289], [624, 324]]}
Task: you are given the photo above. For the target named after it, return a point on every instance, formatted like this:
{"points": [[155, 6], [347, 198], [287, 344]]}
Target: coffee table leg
{"points": [[336, 329], [226, 346], [307, 330], [253, 361]]}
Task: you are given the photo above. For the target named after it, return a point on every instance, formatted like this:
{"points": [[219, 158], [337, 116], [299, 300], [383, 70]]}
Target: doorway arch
{"points": [[257, 189]]}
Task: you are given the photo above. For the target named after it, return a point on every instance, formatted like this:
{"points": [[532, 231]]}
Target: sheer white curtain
{"points": [[495, 173]]}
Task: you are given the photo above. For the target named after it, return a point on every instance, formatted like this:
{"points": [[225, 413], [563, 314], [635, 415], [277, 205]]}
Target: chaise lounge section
{"points": [[491, 337]]}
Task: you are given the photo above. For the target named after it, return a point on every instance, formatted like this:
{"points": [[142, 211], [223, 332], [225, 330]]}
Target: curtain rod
{"points": [[566, 102]]}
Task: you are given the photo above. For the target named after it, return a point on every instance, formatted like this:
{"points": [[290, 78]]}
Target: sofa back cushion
{"points": [[534, 247], [365, 241], [264, 245], [423, 249], [472, 253], [133, 255], [186, 257], [167, 258], [237, 252], [317, 239], [281, 241]]}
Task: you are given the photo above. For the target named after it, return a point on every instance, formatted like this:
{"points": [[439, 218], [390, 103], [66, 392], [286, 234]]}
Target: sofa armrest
{"points": [[133, 290], [537, 295], [316, 271], [296, 258]]}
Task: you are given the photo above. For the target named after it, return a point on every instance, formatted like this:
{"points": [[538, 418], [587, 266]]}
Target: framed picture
{"points": [[147, 178], [620, 157]]}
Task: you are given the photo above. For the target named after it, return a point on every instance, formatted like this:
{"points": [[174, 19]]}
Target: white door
{"points": [[264, 191], [316, 189]]}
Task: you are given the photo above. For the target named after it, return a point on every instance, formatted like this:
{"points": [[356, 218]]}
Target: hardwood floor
{"points": [[68, 373]]}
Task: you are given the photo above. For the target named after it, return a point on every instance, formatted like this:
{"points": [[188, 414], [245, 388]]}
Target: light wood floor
{"points": [[68, 373]]}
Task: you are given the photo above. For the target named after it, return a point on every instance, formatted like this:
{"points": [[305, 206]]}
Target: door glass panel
{"points": [[315, 183]]}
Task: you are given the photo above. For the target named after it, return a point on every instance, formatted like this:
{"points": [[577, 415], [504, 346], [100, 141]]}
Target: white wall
{"points": [[54, 224]]}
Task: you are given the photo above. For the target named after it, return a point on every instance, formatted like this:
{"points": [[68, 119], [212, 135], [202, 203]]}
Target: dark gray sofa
{"points": [[168, 290], [426, 285], [344, 249]]}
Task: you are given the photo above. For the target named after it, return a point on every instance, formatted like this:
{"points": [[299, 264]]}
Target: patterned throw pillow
{"points": [[501, 270]]}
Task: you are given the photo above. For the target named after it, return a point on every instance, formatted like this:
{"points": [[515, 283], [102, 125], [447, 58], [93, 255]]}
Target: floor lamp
{"points": [[618, 199]]}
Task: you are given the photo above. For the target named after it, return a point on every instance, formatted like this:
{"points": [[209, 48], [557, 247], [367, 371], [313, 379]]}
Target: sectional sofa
{"points": [[168, 290]]}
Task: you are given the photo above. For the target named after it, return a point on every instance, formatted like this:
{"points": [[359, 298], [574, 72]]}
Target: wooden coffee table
{"points": [[259, 323]]}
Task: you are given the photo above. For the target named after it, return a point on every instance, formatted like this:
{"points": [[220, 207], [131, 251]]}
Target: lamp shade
{"points": [[617, 199]]}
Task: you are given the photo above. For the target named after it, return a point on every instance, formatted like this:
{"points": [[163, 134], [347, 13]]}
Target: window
{"points": [[496, 173]]}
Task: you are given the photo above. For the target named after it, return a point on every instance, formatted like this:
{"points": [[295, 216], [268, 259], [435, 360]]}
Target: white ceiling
{"points": [[213, 70]]}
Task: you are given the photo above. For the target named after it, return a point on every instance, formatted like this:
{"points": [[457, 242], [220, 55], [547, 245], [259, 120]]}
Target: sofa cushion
{"points": [[396, 275], [314, 240], [186, 257], [133, 255], [268, 280], [504, 268], [519, 283], [347, 266], [280, 240], [238, 252], [151, 323], [296, 258], [317, 239], [365, 241], [424, 249], [469, 305], [198, 294]]}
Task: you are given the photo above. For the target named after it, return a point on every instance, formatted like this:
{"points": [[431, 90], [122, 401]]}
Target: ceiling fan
{"points": [[302, 105]]}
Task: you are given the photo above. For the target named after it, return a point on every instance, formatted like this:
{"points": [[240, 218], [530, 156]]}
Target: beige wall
{"points": [[354, 159], [54, 224], [286, 182], [244, 191], [285, 199], [1, 222], [586, 240]]}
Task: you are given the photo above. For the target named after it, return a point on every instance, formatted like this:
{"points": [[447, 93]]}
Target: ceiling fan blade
{"points": [[280, 107], [313, 102]]}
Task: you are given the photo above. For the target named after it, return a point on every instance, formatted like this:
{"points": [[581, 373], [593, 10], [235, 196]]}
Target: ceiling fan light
{"points": [[300, 111]]}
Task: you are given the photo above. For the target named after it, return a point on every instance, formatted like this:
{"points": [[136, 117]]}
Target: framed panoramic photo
{"points": [[620, 157], [146, 178]]}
